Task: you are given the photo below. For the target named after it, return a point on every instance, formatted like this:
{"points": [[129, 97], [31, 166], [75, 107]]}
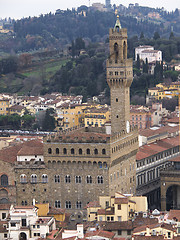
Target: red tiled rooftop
{"points": [[101, 233], [93, 204]]}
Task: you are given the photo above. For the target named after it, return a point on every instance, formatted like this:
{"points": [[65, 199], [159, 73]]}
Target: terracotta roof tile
{"points": [[121, 201], [93, 204], [100, 233], [9, 154], [174, 214]]}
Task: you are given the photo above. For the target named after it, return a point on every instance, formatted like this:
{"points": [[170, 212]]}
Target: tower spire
{"points": [[117, 24]]}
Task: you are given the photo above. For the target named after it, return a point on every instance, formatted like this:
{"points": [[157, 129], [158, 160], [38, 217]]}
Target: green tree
{"points": [[49, 120], [156, 36]]}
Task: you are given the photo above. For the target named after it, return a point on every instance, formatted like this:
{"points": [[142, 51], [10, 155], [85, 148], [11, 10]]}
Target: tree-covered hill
{"points": [[56, 30]]}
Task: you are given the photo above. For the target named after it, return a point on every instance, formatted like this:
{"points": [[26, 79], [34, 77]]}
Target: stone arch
{"points": [[49, 164], [22, 236], [95, 151], [3, 196], [4, 180], [49, 150]]}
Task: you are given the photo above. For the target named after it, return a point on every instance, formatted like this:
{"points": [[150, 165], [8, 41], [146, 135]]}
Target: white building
{"points": [[149, 53], [24, 223]]}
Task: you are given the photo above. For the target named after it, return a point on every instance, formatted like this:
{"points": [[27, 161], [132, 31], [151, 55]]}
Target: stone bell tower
{"points": [[124, 138], [119, 78]]}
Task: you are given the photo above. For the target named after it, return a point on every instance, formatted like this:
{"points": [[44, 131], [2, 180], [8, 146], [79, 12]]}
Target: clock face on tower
{"points": [[127, 126]]}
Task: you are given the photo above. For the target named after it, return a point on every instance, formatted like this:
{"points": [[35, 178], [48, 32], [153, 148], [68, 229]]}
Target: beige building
{"points": [[116, 208], [96, 116], [4, 106]]}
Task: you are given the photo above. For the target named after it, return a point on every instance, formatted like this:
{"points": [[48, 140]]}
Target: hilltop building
{"points": [[149, 53]]}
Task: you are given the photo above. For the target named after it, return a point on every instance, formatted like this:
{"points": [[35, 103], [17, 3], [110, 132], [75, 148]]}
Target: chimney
{"points": [[80, 230]]}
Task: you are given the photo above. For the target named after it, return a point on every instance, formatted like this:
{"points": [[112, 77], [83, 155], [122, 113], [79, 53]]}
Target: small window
{"points": [[128, 232], [78, 179], [3, 215], [57, 204], [57, 150], [4, 180], [89, 179], [103, 151], [78, 205], [64, 151], [57, 178], [67, 179], [68, 205], [80, 151], [49, 150], [95, 151], [100, 179], [33, 178], [88, 151], [119, 232], [44, 178], [72, 150], [23, 178]]}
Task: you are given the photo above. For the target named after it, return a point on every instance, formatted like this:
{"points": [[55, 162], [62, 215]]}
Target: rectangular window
{"points": [[119, 232], [112, 218], [108, 218], [38, 226], [100, 219], [107, 204], [13, 224], [119, 206], [119, 218], [128, 232], [3, 215], [23, 222]]}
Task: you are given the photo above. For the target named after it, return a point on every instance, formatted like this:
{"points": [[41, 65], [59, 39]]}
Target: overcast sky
{"points": [[24, 8]]}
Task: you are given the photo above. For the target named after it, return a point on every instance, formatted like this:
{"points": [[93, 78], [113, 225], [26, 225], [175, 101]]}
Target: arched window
{"points": [[95, 151], [44, 178], [80, 151], [88, 151], [68, 205], [67, 179], [89, 179], [57, 204], [57, 178], [116, 52], [23, 178], [49, 150], [4, 180], [124, 50], [57, 150], [64, 150], [72, 150], [78, 204], [33, 178], [103, 151], [24, 203], [100, 164], [78, 179], [100, 179]]}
